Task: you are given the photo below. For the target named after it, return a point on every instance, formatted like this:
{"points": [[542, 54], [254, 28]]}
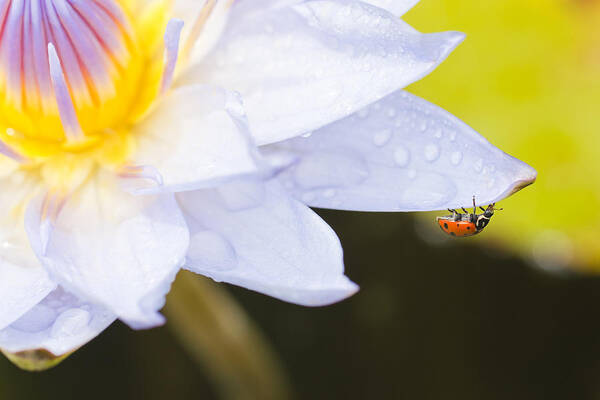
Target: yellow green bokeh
{"points": [[528, 78]]}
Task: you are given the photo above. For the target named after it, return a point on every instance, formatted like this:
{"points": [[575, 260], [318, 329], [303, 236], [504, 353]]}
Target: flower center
{"points": [[73, 72]]}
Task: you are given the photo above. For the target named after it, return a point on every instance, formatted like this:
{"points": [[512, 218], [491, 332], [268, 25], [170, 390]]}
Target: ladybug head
{"points": [[489, 211]]}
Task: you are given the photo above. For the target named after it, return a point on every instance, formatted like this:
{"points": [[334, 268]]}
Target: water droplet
{"points": [[431, 152], [382, 137], [70, 323], [437, 133], [307, 134], [412, 173], [456, 158], [376, 106], [391, 112], [401, 156], [491, 183], [478, 166], [452, 136], [423, 126]]}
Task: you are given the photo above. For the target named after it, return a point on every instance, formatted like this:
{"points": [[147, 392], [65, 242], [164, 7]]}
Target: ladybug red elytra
{"points": [[462, 225]]}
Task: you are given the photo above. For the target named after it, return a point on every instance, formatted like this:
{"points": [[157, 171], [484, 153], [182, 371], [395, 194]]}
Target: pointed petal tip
{"points": [[148, 322], [527, 176], [452, 40], [333, 295], [524, 176]]}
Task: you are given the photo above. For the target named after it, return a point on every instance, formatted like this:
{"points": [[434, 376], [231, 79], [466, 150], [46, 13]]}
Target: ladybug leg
{"points": [[473, 216]]}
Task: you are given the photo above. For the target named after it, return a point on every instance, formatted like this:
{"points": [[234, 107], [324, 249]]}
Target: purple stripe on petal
{"points": [[68, 56], [32, 97], [66, 109], [12, 51], [172, 36], [39, 51], [8, 152], [92, 40], [105, 29], [90, 54]]}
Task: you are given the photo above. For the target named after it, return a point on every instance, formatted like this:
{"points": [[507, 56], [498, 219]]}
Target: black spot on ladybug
{"points": [[445, 225], [468, 227]]}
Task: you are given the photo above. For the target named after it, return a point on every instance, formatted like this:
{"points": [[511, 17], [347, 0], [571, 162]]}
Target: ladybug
{"points": [[466, 224]]}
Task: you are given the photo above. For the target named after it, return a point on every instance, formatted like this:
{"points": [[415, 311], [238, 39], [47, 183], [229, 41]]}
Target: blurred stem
{"points": [[218, 334]]}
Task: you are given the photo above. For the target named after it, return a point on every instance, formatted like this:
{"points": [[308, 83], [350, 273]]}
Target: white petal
{"points": [[60, 324], [21, 287], [400, 154], [303, 66], [209, 24], [112, 248], [253, 235], [23, 281], [196, 137], [396, 7]]}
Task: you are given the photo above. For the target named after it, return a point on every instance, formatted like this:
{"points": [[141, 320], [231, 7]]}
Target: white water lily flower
{"points": [[140, 137]]}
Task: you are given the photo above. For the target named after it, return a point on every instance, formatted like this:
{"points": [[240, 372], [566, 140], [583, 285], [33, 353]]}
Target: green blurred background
{"points": [[510, 314]]}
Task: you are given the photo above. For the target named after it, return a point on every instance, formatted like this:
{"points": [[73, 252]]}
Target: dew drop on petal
{"points": [[412, 173], [456, 157], [307, 134], [391, 112], [401, 156], [382, 137], [478, 166], [437, 133], [363, 113], [70, 322], [431, 152]]}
